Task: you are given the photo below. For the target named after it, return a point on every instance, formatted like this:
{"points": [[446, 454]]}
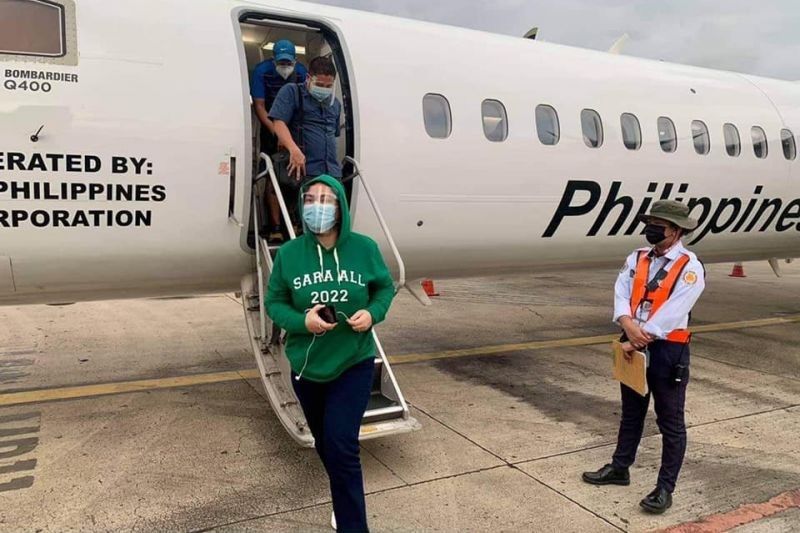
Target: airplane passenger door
{"points": [[259, 31]]}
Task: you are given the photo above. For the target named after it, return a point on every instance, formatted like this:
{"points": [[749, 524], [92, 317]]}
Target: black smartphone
{"points": [[328, 314]]}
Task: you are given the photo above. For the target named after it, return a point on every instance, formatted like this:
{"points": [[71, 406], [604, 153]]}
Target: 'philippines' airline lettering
{"points": [[714, 215]]}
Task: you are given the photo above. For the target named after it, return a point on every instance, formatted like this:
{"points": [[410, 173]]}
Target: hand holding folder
{"points": [[630, 372]]}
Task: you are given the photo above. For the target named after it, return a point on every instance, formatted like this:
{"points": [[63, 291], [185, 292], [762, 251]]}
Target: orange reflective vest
{"points": [[659, 295]]}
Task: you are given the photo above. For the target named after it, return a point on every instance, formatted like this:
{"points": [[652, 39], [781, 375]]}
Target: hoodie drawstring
{"points": [[338, 272], [335, 258]]}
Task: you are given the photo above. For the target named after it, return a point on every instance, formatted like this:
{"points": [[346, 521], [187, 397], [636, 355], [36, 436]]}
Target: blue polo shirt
{"points": [[266, 82], [320, 127]]}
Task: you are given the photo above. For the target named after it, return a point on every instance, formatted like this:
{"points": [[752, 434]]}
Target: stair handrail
{"points": [[260, 271], [396, 386], [382, 221], [270, 169]]}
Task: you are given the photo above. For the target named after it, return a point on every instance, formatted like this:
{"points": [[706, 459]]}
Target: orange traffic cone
{"points": [[738, 271], [427, 286]]}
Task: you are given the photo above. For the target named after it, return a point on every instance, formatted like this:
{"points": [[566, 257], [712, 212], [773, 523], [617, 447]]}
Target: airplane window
{"points": [[733, 144], [32, 27], [631, 131], [666, 134], [495, 120], [789, 145], [547, 126], [759, 142], [702, 142], [592, 128], [436, 112]]}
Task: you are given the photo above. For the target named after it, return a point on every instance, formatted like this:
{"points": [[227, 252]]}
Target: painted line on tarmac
{"points": [[577, 341], [745, 514], [104, 389]]}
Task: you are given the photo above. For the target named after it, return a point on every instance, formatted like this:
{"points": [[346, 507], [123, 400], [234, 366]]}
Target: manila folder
{"points": [[632, 373]]}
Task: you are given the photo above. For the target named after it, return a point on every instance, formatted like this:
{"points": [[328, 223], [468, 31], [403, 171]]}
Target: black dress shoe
{"points": [[608, 475], [657, 501]]}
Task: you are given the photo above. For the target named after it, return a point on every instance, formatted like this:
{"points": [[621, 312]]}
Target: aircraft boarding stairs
{"points": [[387, 412]]}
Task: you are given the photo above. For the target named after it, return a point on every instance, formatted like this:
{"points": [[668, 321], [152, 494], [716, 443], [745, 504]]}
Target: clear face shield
{"points": [[326, 198], [320, 211]]}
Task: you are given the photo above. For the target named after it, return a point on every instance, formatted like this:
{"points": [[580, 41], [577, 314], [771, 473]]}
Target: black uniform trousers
{"points": [[670, 398]]}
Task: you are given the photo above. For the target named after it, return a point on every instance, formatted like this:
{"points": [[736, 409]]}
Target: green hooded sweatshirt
{"points": [[351, 276]]}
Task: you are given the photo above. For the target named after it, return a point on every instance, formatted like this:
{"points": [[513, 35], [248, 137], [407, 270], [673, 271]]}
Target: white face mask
{"points": [[284, 71]]}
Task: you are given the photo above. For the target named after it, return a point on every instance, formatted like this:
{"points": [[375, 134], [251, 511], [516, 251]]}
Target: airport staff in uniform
{"points": [[268, 78], [654, 296]]}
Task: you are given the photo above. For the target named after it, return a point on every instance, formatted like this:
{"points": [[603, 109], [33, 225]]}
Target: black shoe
{"points": [[657, 501], [608, 475]]}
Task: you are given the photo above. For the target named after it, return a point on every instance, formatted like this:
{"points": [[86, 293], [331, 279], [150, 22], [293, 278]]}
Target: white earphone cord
{"points": [[305, 363], [308, 350]]}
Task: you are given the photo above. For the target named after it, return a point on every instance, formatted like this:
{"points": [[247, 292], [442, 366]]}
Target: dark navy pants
{"points": [[334, 411], [669, 398]]}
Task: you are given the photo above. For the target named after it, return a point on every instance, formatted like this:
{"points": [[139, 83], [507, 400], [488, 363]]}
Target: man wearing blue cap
{"points": [[268, 78]]}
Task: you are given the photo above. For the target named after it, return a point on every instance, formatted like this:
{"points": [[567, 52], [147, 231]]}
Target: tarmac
{"points": [[147, 415]]}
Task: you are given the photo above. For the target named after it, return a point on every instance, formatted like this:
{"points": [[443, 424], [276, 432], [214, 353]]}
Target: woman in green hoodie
{"points": [[332, 363]]}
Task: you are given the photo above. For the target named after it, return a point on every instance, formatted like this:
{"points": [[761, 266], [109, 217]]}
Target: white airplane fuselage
{"points": [[139, 183]]}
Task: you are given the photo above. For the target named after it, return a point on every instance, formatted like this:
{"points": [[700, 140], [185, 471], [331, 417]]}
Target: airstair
{"points": [[387, 412]]}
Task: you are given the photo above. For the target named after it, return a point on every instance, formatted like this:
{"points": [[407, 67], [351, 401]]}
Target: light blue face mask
{"points": [[320, 93], [319, 218]]}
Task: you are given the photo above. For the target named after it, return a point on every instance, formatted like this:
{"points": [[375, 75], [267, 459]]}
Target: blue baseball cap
{"points": [[284, 51]]}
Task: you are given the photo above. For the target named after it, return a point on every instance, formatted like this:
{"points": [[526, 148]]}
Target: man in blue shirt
{"points": [[269, 77], [313, 113]]}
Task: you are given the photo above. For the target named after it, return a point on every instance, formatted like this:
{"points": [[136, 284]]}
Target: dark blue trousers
{"points": [[669, 398], [334, 411]]}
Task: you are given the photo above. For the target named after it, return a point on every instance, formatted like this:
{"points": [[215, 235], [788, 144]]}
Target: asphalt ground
{"points": [[145, 415]]}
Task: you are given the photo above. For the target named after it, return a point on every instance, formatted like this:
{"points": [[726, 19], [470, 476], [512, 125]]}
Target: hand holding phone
{"points": [[328, 314], [315, 323]]}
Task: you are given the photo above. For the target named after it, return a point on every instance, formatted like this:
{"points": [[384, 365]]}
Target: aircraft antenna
{"points": [[531, 33], [35, 136]]}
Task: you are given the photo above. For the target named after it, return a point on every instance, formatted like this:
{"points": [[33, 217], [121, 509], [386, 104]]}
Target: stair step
{"points": [[381, 408], [379, 401], [383, 413]]}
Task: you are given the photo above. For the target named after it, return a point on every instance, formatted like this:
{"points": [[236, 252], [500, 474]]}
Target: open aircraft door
{"points": [[388, 412]]}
